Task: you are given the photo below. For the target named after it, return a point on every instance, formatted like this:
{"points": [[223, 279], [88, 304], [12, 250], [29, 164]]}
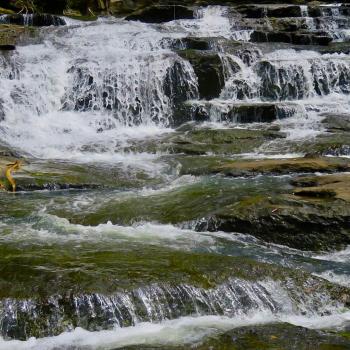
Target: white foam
{"points": [[186, 330], [338, 256], [341, 279]]}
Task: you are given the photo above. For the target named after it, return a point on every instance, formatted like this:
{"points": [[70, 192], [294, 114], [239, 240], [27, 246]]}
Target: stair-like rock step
{"points": [[225, 111], [291, 38], [160, 14], [35, 20]]}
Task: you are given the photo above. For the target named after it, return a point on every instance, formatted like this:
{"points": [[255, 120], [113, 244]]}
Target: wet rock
{"points": [[258, 113], [159, 14], [335, 186], [209, 70], [337, 122], [279, 83], [291, 38], [7, 48], [272, 336], [10, 35], [297, 222], [35, 302], [191, 43], [334, 142], [36, 20], [177, 87], [252, 11], [220, 141], [187, 112], [283, 166], [237, 113], [34, 175]]}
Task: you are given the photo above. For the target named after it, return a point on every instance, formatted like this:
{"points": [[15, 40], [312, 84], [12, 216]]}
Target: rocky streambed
{"points": [[184, 176]]}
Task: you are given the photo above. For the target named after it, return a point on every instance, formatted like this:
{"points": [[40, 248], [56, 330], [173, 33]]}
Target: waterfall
{"points": [[30, 19], [156, 303], [97, 76]]}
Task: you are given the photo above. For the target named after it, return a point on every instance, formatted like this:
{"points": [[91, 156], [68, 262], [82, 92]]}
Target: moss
{"points": [[47, 270], [224, 141], [12, 34], [283, 166], [36, 175], [333, 186], [186, 203], [4, 11]]}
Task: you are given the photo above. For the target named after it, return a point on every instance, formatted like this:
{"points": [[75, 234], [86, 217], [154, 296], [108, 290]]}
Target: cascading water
{"points": [[126, 126]]}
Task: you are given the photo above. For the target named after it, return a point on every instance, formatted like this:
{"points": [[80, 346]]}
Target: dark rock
{"points": [[258, 113], [190, 43], [280, 83], [209, 70], [7, 48], [36, 20], [291, 38], [159, 14], [251, 11], [190, 112], [177, 87], [300, 224]]}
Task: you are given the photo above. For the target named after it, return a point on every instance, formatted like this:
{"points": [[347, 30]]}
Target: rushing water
{"points": [[84, 94]]}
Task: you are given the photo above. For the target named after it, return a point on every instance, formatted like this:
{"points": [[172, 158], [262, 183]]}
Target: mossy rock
{"points": [[327, 186], [35, 175], [189, 140], [4, 11], [297, 222], [283, 166], [65, 288], [326, 144], [221, 141], [14, 34]]}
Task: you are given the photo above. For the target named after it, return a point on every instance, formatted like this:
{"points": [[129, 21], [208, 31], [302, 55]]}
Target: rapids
{"points": [[126, 257]]}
